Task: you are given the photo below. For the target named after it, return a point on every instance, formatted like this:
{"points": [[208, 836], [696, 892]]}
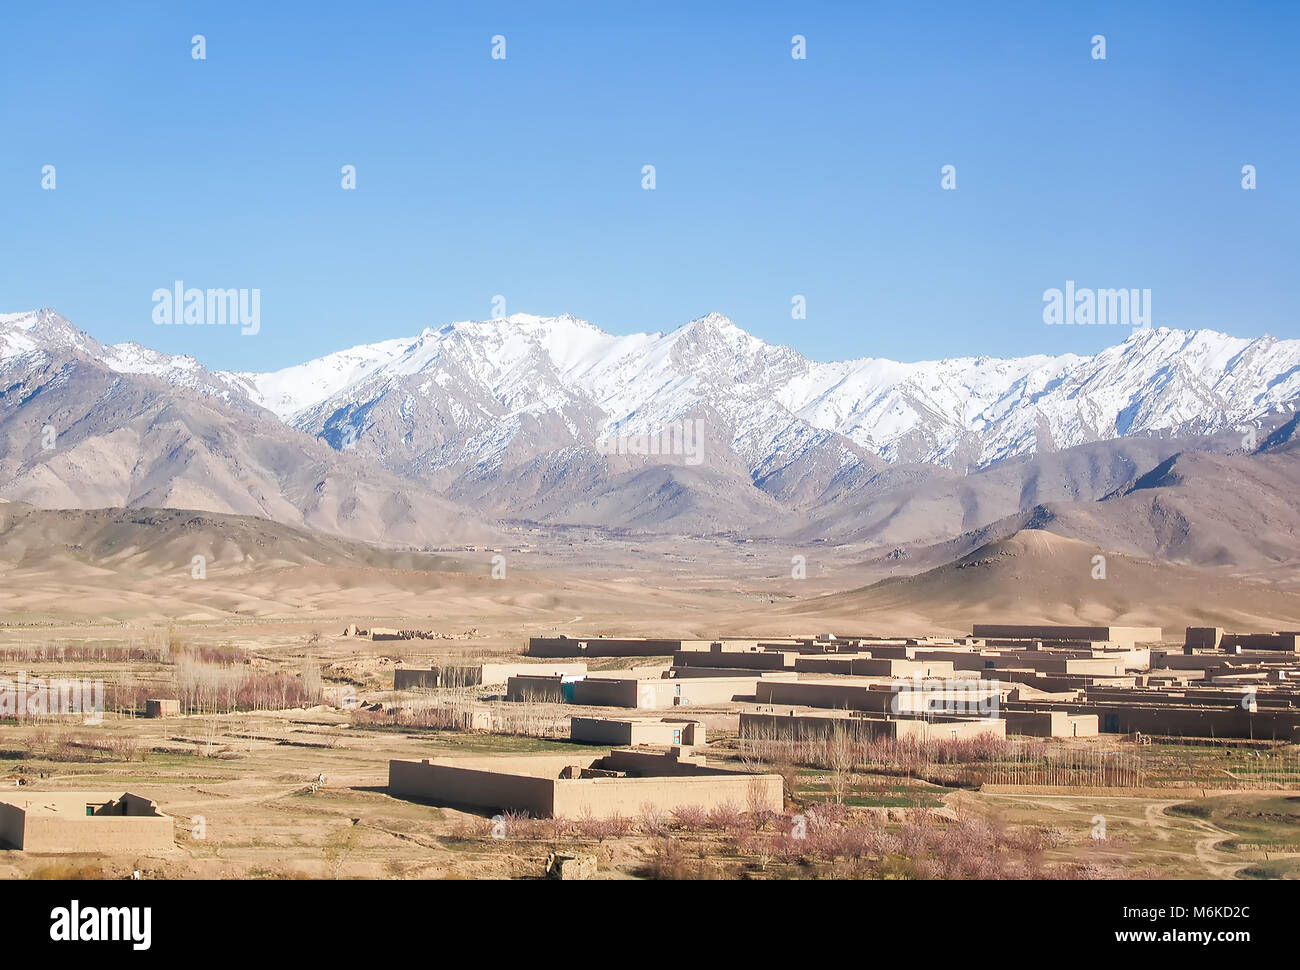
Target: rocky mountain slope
{"points": [[393, 441]]}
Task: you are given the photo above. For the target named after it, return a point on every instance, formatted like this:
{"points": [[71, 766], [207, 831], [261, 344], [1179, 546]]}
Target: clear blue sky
{"points": [[775, 177]]}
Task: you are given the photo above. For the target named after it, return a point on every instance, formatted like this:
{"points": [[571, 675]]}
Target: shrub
{"points": [[558, 826], [726, 817], [668, 860], [652, 820], [600, 829], [690, 817]]}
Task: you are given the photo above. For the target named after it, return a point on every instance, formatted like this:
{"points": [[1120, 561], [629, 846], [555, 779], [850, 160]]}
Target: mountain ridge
{"points": [[1158, 380], [507, 416]]}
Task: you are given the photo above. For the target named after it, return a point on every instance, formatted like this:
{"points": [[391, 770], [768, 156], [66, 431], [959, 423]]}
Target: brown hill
{"points": [[1037, 576], [133, 441]]}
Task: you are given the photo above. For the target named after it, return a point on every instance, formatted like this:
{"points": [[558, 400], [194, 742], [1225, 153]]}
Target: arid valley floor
{"points": [[260, 789]]}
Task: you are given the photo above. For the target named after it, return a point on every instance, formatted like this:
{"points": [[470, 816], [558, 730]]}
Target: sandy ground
{"points": [[241, 791], [240, 786], [686, 587]]}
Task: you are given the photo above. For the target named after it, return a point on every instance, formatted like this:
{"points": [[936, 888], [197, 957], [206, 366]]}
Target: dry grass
{"points": [[74, 746], [842, 753], [62, 871]]}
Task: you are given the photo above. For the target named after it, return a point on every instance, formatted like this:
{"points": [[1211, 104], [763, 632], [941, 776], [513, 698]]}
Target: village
{"points": [[622, 729]]}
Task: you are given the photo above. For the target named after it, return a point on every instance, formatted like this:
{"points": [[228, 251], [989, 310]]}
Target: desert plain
{"points": [[294, 785]]}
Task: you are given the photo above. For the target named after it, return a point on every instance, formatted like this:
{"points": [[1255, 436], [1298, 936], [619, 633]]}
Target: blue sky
{"points": [[775, 176]]}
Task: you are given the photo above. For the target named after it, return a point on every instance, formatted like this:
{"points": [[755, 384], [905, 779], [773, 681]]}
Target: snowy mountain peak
{"points": [[488, 375], [43, 329], [714, 321], [488, 393]]}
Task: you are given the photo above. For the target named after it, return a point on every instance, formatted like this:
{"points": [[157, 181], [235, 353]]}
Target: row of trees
{"points": [[827, 840], [208, 688]]}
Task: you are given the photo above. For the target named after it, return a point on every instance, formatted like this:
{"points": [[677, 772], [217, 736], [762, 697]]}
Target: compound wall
{"points": [[802, 727], [632, 731], [532, 784], [58, 822], [601, 647], [1051, 724], [1126, 635]]}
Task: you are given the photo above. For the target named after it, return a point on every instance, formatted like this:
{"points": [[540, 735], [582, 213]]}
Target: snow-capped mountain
{"points": [[488, 393], [83, 425], [506, 418], [26, 336], [466, 393], [507, 414]]}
